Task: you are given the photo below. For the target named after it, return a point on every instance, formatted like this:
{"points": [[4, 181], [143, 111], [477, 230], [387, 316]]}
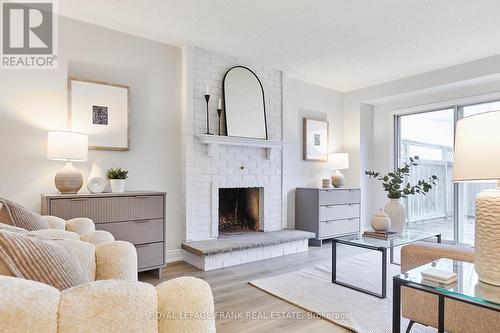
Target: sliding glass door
{"points": [[449, 208], [429, 135]]}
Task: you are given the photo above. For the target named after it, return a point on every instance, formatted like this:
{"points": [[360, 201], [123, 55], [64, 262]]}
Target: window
{"points": [[469, 191], [449, 208]]}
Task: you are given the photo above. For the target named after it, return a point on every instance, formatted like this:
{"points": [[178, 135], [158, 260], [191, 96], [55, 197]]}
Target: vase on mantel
{"points": [[397, 213]]}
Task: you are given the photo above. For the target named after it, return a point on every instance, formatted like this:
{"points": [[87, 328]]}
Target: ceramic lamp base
{"points": [[338, 179], [487, 237], [69, 180]]}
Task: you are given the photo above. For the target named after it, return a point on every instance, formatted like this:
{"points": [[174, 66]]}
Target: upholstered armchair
{"points": [[113, 302], [420, 307]]}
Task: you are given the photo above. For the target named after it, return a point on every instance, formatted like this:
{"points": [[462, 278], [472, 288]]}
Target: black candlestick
{"points": [[207, 98], [219, 112]]}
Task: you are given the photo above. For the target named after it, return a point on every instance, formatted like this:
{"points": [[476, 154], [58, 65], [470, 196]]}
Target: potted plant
{"points": [[394, 184], [117, 179]]}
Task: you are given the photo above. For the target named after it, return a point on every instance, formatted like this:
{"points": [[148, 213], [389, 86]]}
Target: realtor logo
{"points": [[28, 34]]}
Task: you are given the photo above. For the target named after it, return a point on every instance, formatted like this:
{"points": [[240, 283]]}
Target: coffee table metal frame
{"points": [[382, 250]]}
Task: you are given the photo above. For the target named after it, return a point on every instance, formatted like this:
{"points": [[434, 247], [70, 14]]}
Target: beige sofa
{"points": [[422, 307], [114, 302]]}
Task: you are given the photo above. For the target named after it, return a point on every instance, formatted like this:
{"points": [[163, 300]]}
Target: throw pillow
{"points": [[18, 216], [41, 260]]}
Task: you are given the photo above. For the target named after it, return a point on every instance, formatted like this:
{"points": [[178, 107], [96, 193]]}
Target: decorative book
{"points": [[380, 234], [439, 276]]}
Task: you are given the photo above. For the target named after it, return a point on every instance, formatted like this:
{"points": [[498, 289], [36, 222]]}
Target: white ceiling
{"points": [[342, 44]]}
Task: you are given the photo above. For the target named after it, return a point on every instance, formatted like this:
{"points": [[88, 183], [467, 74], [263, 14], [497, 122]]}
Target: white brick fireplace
{"points": [[230, 166]]}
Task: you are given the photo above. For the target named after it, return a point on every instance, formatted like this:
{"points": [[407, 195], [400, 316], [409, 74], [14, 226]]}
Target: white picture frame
{"points": [[100, 110], [315, 145]]}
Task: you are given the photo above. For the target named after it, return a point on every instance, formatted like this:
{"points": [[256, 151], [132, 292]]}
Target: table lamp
{"points": [[70, 147], [338, 161], [477, 158]]}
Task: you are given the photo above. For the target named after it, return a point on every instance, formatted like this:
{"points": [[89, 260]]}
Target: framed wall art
{"points": [[315, 140], [100, 110]]}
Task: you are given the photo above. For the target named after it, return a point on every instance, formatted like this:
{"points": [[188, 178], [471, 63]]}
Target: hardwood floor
{"points": [[233, 295]]}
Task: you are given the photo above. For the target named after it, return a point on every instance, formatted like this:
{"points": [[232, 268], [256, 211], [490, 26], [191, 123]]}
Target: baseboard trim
{"points": [[174, 255]]}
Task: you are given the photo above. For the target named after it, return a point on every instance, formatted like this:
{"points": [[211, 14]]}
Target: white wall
{"points": [[378, 104], [34, 101], [305, 100]]}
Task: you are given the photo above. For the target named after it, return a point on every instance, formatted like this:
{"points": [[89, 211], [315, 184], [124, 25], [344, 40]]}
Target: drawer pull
{"points": [[80, 199], [143, 197], [142, 245], [340, 220], [142, 221], [341, 204]]}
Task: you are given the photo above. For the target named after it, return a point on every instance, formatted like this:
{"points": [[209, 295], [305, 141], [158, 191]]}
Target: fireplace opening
{"points": [[239, 209]]}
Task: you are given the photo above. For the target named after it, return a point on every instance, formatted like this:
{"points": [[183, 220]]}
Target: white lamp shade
{"points": [[477, 148], [339, 161], [67, 146]]}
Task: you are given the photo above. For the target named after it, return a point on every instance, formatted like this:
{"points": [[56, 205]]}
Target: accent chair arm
{"points": [[116, 260], [419, 253], [189, 305]]}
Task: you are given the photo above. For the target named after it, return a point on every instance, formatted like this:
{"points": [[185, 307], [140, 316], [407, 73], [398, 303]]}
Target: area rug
{"points": [[312, 290]]}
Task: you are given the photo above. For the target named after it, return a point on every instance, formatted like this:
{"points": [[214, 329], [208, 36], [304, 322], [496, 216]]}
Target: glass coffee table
{"points": [[467, 289], [381, 246]]}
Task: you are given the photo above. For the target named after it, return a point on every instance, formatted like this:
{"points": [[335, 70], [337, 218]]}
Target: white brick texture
{"points": [[203, 175], [238, 257]]}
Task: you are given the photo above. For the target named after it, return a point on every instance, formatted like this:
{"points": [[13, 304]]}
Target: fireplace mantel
{"points": [[214, 141]]}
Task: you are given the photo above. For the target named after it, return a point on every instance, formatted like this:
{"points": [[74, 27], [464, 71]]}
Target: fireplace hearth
{"points": [[239, 209]]}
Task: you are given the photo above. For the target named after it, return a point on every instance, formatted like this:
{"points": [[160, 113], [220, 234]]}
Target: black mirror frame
{"points": [[263, 99]]}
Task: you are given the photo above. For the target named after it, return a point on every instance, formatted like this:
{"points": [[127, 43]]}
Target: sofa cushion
{"points": [[46, 261], [27, 306], [14, 214], [109, 306]]}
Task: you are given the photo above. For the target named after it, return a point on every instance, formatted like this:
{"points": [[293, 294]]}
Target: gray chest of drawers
{"points": [[136, 217], [328, 213]]}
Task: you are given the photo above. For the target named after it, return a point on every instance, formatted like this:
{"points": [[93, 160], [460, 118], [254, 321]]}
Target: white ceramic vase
{"points": [[117, 185], [98, 181], [397, 214]]}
